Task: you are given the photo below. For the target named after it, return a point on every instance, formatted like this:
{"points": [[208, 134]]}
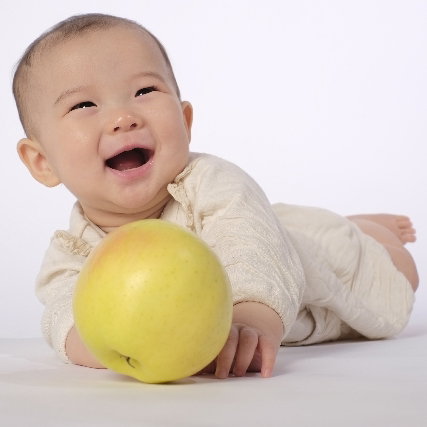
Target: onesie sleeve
{"points": [[55, 287], [231, 213]]}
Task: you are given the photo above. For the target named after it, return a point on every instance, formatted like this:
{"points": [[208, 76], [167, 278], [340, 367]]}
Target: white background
{"points": [[323, 102]]}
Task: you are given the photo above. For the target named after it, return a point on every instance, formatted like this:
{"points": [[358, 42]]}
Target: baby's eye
{"points": [[145, 90], [85, 104]]}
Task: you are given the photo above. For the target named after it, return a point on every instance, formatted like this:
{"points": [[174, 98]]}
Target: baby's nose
{"points": [[124, 121], [132, 125]]}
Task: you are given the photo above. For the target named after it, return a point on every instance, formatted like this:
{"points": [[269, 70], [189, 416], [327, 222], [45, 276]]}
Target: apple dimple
{"points": [[127, 358]]}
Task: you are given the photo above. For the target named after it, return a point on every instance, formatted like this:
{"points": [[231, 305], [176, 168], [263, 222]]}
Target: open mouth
{"points": [[130, 159]]}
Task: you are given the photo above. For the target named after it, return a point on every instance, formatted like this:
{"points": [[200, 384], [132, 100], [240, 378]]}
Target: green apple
{"points": [[153, 302]]}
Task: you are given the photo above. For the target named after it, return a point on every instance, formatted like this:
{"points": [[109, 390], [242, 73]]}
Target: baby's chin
{"points": [[110, 217]]}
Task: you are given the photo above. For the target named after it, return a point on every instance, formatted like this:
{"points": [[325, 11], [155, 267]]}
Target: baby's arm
{"points": [[78, 353], [253, 342], [237, 222], [55, 285]]}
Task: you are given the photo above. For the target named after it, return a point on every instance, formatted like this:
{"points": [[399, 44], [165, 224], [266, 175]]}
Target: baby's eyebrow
{"points": [[151, 74], [69, 92]]}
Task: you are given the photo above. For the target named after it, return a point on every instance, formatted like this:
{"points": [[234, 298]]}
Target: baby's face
{"points": [[110, 123]]}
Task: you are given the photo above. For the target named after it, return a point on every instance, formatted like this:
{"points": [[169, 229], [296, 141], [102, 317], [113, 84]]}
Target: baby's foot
{"points": [[400, 225]]}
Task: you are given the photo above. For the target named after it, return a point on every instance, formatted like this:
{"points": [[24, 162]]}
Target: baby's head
{"points": [[68, 29], [101, 108]]}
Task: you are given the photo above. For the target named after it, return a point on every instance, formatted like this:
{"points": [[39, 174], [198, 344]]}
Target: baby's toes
{"points": [[409, 236], [404, 222]]}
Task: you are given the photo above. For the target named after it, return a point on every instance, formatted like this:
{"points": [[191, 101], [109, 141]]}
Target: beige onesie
{"points": [[323, 276]]}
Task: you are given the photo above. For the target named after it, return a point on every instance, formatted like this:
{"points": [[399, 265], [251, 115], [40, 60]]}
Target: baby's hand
{"points": [[246, 349], [252, 344]]}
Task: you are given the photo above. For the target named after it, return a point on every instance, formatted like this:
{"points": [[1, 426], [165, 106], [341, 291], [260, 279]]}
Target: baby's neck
{"points": [[111, 222]]}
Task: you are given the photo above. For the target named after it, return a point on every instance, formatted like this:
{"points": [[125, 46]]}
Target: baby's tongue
{"points": [[126, 160]]}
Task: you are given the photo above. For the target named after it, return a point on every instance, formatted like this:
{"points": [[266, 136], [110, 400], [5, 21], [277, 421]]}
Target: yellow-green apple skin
{"points": [[153, 302]]}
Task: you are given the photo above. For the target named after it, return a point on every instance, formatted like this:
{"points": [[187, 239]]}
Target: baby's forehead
{"points": [[54, 46], [56, 54]]}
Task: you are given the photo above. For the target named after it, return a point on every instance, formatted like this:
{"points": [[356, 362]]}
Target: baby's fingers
{"points": [[248, 342], [268, 354], [226, 356]]}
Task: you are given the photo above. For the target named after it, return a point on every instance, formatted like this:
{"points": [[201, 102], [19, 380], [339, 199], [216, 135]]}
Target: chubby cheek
{"points": [[175, 138], [73, 165], [170, 123]]}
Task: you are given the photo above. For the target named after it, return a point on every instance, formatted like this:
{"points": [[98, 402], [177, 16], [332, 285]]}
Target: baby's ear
{"points": [[187, 111], [32, 155]]}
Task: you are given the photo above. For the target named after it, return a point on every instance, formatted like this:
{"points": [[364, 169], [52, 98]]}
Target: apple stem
{"points": [[128, 360]]}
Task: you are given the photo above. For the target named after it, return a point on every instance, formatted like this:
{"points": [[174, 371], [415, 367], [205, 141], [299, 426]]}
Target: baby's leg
{"points": [[400, 225], [392, 231]]}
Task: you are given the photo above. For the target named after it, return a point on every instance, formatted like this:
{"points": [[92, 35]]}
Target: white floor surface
{"points": [[363, 384]]}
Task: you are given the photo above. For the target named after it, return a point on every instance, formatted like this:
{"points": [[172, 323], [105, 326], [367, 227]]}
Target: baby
{"points": [[102, 112]]}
